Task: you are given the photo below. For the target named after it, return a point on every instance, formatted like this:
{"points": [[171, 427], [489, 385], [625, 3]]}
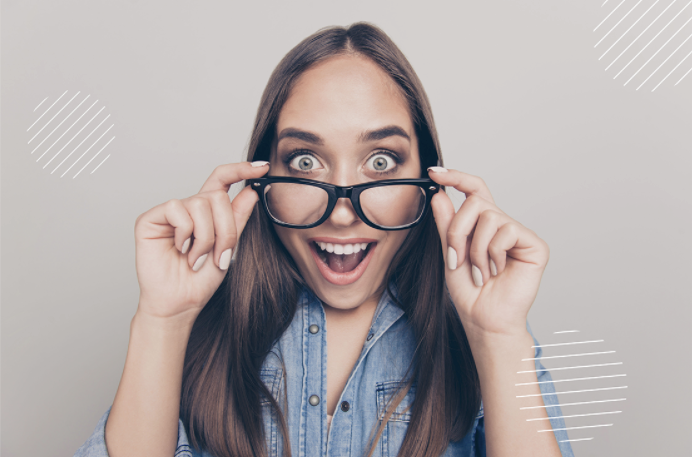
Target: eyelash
{"points": [[299, 152], [292, 155], [395, 157]]}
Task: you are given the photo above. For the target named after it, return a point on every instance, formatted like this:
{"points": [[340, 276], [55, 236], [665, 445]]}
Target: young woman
{"points": [[362, 315]]}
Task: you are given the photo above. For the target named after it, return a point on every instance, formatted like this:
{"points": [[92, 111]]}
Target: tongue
{"points": [[344, 263]]}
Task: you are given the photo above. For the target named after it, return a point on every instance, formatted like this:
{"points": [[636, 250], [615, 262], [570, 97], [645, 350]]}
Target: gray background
{"points": [[598, 170]]}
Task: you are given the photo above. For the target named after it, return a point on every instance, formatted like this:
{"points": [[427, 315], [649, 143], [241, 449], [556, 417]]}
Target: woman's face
{"points": [[345, 122]]}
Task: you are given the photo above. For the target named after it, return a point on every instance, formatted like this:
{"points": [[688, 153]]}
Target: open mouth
{"points": [[342, 264]]}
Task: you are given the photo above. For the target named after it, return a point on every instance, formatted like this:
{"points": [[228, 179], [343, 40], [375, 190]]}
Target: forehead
{"points": [[345, 95]]}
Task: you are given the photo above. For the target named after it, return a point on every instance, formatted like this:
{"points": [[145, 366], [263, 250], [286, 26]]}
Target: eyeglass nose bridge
{"points": [[343, 192]]}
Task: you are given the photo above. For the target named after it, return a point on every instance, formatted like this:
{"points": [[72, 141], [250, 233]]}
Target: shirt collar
{"points": [[386, 313]]}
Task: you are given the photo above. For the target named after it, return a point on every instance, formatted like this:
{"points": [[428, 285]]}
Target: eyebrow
{"points": [[384, 132], [369, 135]]}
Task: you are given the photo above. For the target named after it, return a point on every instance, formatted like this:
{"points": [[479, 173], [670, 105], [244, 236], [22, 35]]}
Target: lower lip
{"points": [[342, 279]]}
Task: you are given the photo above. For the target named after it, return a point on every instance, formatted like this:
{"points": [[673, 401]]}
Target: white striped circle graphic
{"points": [[647, 40], [70, 134]]}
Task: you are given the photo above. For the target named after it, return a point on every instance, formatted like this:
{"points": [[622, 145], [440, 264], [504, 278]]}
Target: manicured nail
{"points": [[199, 262], [186, 245], [437, 169], [477, 276], [493, 268], [225, 259], [259, 163], [451, 258]]}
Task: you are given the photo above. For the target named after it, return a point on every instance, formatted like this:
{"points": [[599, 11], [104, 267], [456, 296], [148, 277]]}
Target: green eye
{"points": [[305, 163], [380, 164]]}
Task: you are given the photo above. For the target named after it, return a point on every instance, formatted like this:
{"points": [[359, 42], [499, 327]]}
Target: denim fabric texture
{"points": [[386, 355]]}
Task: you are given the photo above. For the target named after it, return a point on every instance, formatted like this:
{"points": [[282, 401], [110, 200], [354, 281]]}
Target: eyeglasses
{"points": [[392, 204]]}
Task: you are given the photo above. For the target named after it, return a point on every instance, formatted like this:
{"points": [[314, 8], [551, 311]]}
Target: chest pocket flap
{"points": [[272, 379], [386, 391]]}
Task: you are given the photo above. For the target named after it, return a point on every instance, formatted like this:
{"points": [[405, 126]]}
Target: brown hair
{"points": [[222, 389]]}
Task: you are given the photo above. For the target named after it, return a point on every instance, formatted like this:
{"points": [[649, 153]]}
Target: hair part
{"points": [[254, 305]]}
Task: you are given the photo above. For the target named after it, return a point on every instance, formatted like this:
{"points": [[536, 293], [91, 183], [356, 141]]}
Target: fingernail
{"points": [[493, 268], [477, 276], [199, 262], [225, 259], [437, 169], [259, 163], [186, 245], [451, 258]]}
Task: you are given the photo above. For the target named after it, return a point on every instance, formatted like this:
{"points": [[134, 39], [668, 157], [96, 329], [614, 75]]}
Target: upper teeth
{"points": [[342, 248]]}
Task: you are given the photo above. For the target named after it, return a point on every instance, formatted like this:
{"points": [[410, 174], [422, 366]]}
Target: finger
{"points": [[224, 176], [463, 182], [199, 209], [443, 212], [465, 221], [242, 205], [225, 234], [518, 243], [168, 220], [489, 222]]}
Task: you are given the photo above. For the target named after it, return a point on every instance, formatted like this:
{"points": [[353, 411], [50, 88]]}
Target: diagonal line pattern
{"points": [[44, 113], [671, 71], [80, 143], [627, 31], [635, 40], [32, 138], [671, 55], [659, 49], [618, 23]]}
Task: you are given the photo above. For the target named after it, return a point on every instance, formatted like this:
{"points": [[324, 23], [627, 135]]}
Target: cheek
{"points": [[290, 241]]}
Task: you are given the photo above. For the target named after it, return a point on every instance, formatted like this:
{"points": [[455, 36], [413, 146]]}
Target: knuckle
{"points": [[197, 203], [489, 215], [220, 196]]}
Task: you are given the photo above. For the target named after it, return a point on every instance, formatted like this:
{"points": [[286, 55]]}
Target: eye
{"points": [[381, 162], [305, 162]]}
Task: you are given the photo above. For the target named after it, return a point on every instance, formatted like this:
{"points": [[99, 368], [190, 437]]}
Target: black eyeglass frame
{"points": [[334, 193]]}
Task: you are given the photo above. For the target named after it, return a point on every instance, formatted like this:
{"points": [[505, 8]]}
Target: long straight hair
{"points": [[234, 332]]}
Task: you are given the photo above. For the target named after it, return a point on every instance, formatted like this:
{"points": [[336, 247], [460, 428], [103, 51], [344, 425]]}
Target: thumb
{"points": [[443, 212]]}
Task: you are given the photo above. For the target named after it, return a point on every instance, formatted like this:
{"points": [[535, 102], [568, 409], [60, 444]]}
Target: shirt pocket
{"points": [[395, 431], [272, 379]]}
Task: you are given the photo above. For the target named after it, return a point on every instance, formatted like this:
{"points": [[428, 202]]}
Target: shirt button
{"points": [[314, 400], [370, 336], [313, 329], [345, 406]]}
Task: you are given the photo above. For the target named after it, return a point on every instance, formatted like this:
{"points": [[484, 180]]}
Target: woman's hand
{"points": [[184, 247], [493, 299]]}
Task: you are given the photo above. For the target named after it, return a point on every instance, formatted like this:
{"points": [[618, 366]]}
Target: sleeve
{"points": [[551, 401], [95, 446]]}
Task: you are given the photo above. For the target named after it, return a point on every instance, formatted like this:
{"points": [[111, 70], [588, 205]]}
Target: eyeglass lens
{"points": [[386, 206]]}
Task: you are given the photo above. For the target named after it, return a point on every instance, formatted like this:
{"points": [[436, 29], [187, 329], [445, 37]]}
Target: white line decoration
{"points": [[573, 404], [573, 391], [40, 103], [573, 415], [59, 134], [39, 118], [569, 355], [576, 428], [673, 60], [568, 380], [571, 368], [566, 344], [567, 414]]}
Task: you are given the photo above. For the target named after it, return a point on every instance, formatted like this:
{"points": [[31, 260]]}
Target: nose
{"points": [[343, 214]]}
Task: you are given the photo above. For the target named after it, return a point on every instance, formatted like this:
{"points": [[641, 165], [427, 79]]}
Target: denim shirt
{"points": [[386, 354]]}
